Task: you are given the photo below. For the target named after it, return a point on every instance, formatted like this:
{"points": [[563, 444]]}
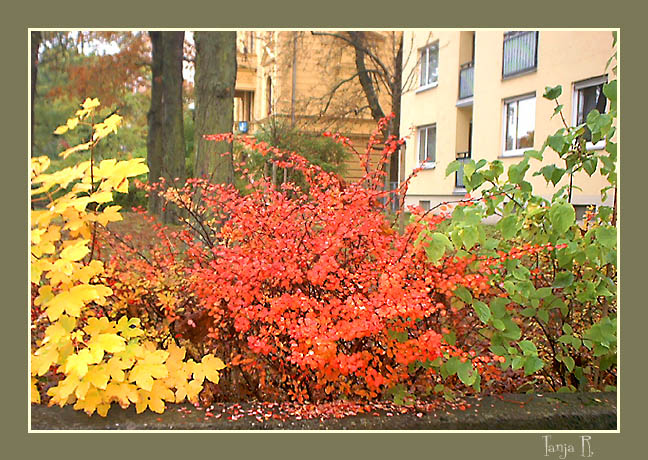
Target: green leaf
{"points": [[508, 226], [532, 364], [498, 324], [569, 362], [450, 338], [453, 167], [552, 93], [499, 350], [529, 312], [563, 279], [533, 154], [543, 315], [512, 330], [610, 90], [557, 110], [558, 142], [463, 294], [466, 373], [469, 236], [589, 165], [516, 172], [528, 348], [562, 216], [606, 236], [482, 310], [498, 307], [518, 362], [437, 245]]}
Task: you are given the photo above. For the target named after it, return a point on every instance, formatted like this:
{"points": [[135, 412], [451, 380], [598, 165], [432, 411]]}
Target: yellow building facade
{"points": [[305, 80], [479, 95]]}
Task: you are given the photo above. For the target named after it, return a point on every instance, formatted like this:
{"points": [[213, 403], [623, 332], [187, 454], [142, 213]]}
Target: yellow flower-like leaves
{"points": [[102, 360]]}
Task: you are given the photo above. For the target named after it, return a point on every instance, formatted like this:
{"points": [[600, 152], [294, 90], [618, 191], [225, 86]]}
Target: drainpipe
{"points": [[294, 79]]}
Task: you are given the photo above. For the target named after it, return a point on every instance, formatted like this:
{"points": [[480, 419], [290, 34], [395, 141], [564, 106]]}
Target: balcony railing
{"points": [[520, 53], [466, 80], [462, 157]]}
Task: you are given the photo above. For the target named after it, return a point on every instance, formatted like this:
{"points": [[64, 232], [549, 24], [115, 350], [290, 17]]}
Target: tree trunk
{"points": [[357, 38], [36, 38], [214, 90], [154, 138], [173, 144]]}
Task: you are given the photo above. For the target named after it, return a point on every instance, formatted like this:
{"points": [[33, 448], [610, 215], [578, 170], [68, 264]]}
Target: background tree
{"points": [[165, 142], [36, 38], [215, 80], [379, 70]]}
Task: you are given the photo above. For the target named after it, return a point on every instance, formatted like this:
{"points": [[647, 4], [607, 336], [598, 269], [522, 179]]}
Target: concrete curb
{"points": [[554, 411]]}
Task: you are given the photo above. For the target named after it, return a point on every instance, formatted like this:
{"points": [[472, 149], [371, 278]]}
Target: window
{"points": [[519, 125], [424, 204], [588, 95], [430, 65], [427, 145], [520, 53], [269, 95]]}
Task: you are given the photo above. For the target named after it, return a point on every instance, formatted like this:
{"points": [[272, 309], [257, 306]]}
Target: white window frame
{"points": [[420, 131], [506, 102], [424, 54], [579, 85]]}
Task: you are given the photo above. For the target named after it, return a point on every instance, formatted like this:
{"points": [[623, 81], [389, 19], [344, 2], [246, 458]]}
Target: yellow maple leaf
{"points": [[43, 359], [55, 332], [77, 363], [64, 390], [76, 251], [92, 401], [128, 328], [44, 295], [98, 376], [122, 392], [72, 122], [109, 125], [111, 343], [35, 394], [102, 196], [61, 129], [208, 368], [109, 214], [116, 366], [87, 272], [148, 368], [77, 148], [189, 390], [97, 326], [154, 398], [87, 107]]}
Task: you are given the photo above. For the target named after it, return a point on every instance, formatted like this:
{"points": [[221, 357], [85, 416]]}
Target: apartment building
{"points": [[305, 80], [479, 95]]}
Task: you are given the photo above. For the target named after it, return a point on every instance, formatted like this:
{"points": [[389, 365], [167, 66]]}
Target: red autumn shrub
{"points": [[307, 293]]}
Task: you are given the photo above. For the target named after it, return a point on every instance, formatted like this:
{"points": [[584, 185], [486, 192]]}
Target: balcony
{"points": [[520, 53], [466, 80]]}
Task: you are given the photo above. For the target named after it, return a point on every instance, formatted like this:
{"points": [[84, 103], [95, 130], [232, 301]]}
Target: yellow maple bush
{"points": [[98, 361]]}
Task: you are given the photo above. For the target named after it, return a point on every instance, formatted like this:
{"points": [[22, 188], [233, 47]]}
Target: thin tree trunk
{"points": [[173, 144], [36, 38], [215, 82], [154, 138]]}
